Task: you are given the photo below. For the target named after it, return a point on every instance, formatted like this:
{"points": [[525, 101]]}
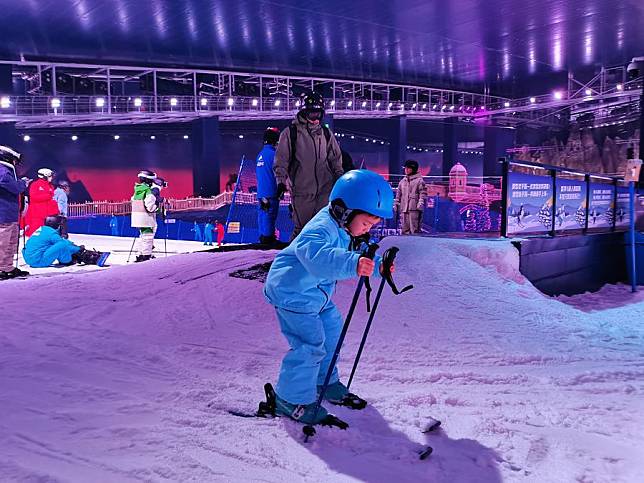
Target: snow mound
{"points": [[128, 374]]}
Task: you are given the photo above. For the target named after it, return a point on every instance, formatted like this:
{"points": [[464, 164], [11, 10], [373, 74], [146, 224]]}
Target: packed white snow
{"points": [[128, 373]]}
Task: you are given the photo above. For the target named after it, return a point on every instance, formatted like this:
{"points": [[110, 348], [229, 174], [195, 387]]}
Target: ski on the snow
{"points": [[102, 259], [267, 410]]}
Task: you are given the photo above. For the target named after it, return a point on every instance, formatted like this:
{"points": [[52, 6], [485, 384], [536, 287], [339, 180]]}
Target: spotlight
{"points": [[506, 104], [619, 87], [451, 108], [374, 141], [137, 102], [153, 137], [100, 102], [5, 102], [382, 142], [185, 136], [332, 103], [174, 101], [241, 136], [353, 137], [350, 103], [533, 100], [434, 106], [117, 137], [424, 106], [26, 138], [364, 104], [55, 103], [277, 103], [254, 103], [390, 104], [558, 95], [414, 106], [204, 101], [74, 138], [231, 101], [367, 139], [377, 105], [589, 92]]}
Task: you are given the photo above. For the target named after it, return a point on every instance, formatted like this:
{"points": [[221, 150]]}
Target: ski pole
{"points": [[131, 248], [387, 262], [309, 430]]}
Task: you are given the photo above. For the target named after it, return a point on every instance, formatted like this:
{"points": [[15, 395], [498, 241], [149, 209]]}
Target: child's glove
{"points": [[264, 204], [365, 267]]}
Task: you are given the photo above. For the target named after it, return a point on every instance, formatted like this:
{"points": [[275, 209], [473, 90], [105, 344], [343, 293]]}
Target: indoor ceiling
{"points": [[452, 43]]}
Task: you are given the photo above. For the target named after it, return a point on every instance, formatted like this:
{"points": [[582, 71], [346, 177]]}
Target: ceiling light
{"points": [[589, 92], [173, 101], [506, 104], [364, 104], [231, 101], [254, 102], [533, 100], [117, 137], [241, 136], [26, 138], [620, 87], [350, 103], [558, 95], [185, 136], [153, 137], [204, 101], [137, 102], [100, 102], [74, 137], [55, 103]]}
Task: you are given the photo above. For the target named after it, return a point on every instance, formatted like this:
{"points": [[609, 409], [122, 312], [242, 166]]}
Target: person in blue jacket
{"points": [[45, 246], [114, 225], [300, 284], [207, 233], [267, 195], [11, 188], [197, 231]]}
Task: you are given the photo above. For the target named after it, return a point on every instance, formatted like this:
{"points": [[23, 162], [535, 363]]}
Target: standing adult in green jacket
{"points": [[308, 161], [144, 210]]}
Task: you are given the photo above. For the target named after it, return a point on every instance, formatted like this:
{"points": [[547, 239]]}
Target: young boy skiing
{"points": [[300, 284]]}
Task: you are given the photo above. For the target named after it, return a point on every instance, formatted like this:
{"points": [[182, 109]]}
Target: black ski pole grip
{"points": [[388, 260], [369, 253]]}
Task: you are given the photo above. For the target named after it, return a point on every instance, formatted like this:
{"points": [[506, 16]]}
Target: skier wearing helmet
{"points": [[300, 284], [41, 201], [144, 210]]}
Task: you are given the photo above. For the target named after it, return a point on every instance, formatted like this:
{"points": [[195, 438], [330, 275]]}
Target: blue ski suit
{"points": [[46, 246], [266, 188], [299, 285], [207, 233], [114, 225], [197, 231]]}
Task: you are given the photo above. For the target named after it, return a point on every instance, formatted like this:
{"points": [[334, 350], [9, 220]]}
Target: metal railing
{"points": [[98, 208]]}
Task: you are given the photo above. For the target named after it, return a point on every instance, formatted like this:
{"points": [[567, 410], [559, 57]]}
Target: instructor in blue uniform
{"points": [[267, 195]]}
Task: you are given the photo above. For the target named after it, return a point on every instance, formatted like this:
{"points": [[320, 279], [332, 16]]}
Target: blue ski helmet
{"points": [[365, 191]]}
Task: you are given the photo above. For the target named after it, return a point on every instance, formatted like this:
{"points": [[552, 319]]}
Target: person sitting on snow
{"points": [[45, 246], [301, 281]]}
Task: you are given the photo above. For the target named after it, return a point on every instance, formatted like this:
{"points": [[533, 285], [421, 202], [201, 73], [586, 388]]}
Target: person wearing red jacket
{"points": [[41, 201], [219, 228]]}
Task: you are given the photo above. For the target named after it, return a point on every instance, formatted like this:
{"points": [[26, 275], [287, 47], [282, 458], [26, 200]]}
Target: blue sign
{"points": [[570, 213], [529, 204], [601, 211]]}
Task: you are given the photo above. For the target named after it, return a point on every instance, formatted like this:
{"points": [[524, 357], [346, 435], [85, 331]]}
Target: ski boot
{"points": [[302, 413], [143, 258], [338, 394], [15, 273], [90, 257]]}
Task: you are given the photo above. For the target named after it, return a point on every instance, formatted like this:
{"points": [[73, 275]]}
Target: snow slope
{"points": [[127, 374]]}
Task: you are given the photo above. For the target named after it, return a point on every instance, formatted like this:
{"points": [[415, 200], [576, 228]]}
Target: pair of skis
{"points": [[267, 410]]}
